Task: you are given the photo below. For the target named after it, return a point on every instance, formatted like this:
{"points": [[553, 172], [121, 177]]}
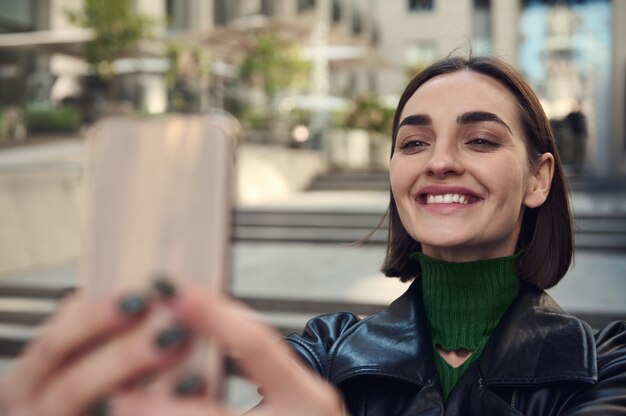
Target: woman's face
{"points": [[459, 173]]}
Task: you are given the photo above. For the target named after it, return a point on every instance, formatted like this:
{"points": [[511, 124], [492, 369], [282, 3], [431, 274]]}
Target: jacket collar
{"points": [[534, 343], [395, 343]]}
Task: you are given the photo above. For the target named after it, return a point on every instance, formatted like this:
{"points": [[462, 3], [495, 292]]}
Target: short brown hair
{"points": [[546, 234]]}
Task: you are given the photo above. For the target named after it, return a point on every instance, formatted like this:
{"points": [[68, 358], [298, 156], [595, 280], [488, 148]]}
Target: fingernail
{"points": [[164, 287], [172, 337], [100, 408], [132, 305], [190, 385]]}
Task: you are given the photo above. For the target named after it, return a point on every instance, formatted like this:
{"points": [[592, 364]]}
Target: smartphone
{"points": [[158, 201]]}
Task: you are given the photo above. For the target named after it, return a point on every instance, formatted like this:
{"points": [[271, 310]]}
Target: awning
{"points": [[67, 42]]}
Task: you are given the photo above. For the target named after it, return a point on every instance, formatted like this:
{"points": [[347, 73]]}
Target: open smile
{"points": [[447, 199], [437, 194]]}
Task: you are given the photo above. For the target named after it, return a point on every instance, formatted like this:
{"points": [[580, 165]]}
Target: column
{"points": [[505, 16], [618, 99]]}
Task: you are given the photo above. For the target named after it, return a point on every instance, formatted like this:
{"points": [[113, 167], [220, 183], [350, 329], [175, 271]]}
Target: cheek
{"points": [[400, 177]]}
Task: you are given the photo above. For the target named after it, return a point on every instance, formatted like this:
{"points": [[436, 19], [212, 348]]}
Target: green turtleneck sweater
{"points": [[464, 302]]}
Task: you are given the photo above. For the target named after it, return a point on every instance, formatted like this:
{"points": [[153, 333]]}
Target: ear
{"points": [[540, 181]]}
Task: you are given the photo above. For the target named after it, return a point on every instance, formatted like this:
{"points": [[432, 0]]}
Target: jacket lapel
{"points": [[537, 343], [394, 343]]}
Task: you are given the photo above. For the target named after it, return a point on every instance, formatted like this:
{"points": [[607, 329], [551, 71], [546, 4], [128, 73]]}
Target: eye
{"points": [[411, 146], [483, 143]]}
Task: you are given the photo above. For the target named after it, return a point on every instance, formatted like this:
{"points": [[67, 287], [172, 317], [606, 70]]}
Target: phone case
{"points": [[158, 201]]}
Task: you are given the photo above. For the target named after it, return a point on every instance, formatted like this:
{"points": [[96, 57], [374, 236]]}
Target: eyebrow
{"points": [[416, 120], [479, 116], [465, 118]]}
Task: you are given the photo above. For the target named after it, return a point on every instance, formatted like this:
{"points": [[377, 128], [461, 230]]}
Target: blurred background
{"points": [[308, 87]]}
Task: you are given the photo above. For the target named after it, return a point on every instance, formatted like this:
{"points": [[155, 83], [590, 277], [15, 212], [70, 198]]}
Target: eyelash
{"points": [[483, 143], [412, 145]]}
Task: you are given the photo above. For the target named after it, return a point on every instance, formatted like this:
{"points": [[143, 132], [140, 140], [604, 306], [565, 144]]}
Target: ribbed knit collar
{"points": [[464, 301]]}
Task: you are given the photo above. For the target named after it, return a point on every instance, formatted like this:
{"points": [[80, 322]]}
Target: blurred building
{"points": [[573, 52]]}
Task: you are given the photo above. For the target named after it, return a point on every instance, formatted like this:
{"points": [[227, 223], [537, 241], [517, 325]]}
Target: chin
{"points": [[441, 242]]}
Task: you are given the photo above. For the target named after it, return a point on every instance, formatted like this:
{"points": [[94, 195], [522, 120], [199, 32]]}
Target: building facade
{"points": [[573, 52]]}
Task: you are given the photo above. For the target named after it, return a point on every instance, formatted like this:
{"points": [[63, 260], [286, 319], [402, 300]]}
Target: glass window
{"points": [[420, 5], [565, 53], [336, 11], [177, 14], [16, 16], [267, 7], [482, 37], [305, 5]]}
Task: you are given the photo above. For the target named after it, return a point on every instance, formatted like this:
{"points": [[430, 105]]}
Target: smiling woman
{"points": [[479, 219]]}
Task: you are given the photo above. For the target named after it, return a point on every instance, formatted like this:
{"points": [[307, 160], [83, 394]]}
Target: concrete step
{"points": [[600, 222], [593, 232], [335, 185]]}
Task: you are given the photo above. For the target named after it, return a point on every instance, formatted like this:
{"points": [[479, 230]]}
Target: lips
{"points": [[447, 194]]}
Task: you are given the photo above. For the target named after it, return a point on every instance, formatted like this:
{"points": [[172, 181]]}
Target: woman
{"points": [[479, 219]]}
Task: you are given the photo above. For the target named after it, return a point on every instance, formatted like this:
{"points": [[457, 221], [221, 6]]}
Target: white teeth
{"points": [[447, 199]]}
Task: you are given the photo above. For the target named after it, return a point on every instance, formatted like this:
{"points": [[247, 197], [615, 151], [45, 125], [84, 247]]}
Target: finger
{"points": [[146, 404], [192, 384], [258, 349], [115, 364], [78, 323]]}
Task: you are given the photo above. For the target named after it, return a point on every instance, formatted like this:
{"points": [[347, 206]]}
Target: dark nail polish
{"points": [[100, 408], [132, 305], [172, 337], [191, 385], [163, 287]]}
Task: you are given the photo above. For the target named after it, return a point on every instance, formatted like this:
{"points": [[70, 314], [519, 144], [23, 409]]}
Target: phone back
{"points": [[159, 200]]}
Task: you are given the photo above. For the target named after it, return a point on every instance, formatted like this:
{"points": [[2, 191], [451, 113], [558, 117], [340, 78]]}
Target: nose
{"points": [[444, 160]]}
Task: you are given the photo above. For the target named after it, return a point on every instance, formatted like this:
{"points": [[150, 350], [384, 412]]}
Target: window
{"points": [[16, 16], [336, 11], [267, 7], [420, 5], [482, 38], [177, 14], [306, 5], [357, 22]]}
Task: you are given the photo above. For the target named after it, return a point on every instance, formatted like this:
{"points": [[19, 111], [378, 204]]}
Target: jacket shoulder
{"points": [[606, 396], [319, 336], [611, 348]]}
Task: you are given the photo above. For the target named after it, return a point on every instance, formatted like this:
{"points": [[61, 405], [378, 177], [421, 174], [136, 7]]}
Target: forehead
{"points": [[460, 92]]}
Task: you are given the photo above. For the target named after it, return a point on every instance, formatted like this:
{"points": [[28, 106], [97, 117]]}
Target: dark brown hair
{"points": [[546, 233]]}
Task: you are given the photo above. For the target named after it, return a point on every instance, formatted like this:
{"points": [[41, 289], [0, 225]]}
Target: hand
{"points": [[87, 351], [289, 389]]}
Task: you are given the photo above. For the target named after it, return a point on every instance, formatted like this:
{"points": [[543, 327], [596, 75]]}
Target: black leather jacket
{"points": [[538, 361]]}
